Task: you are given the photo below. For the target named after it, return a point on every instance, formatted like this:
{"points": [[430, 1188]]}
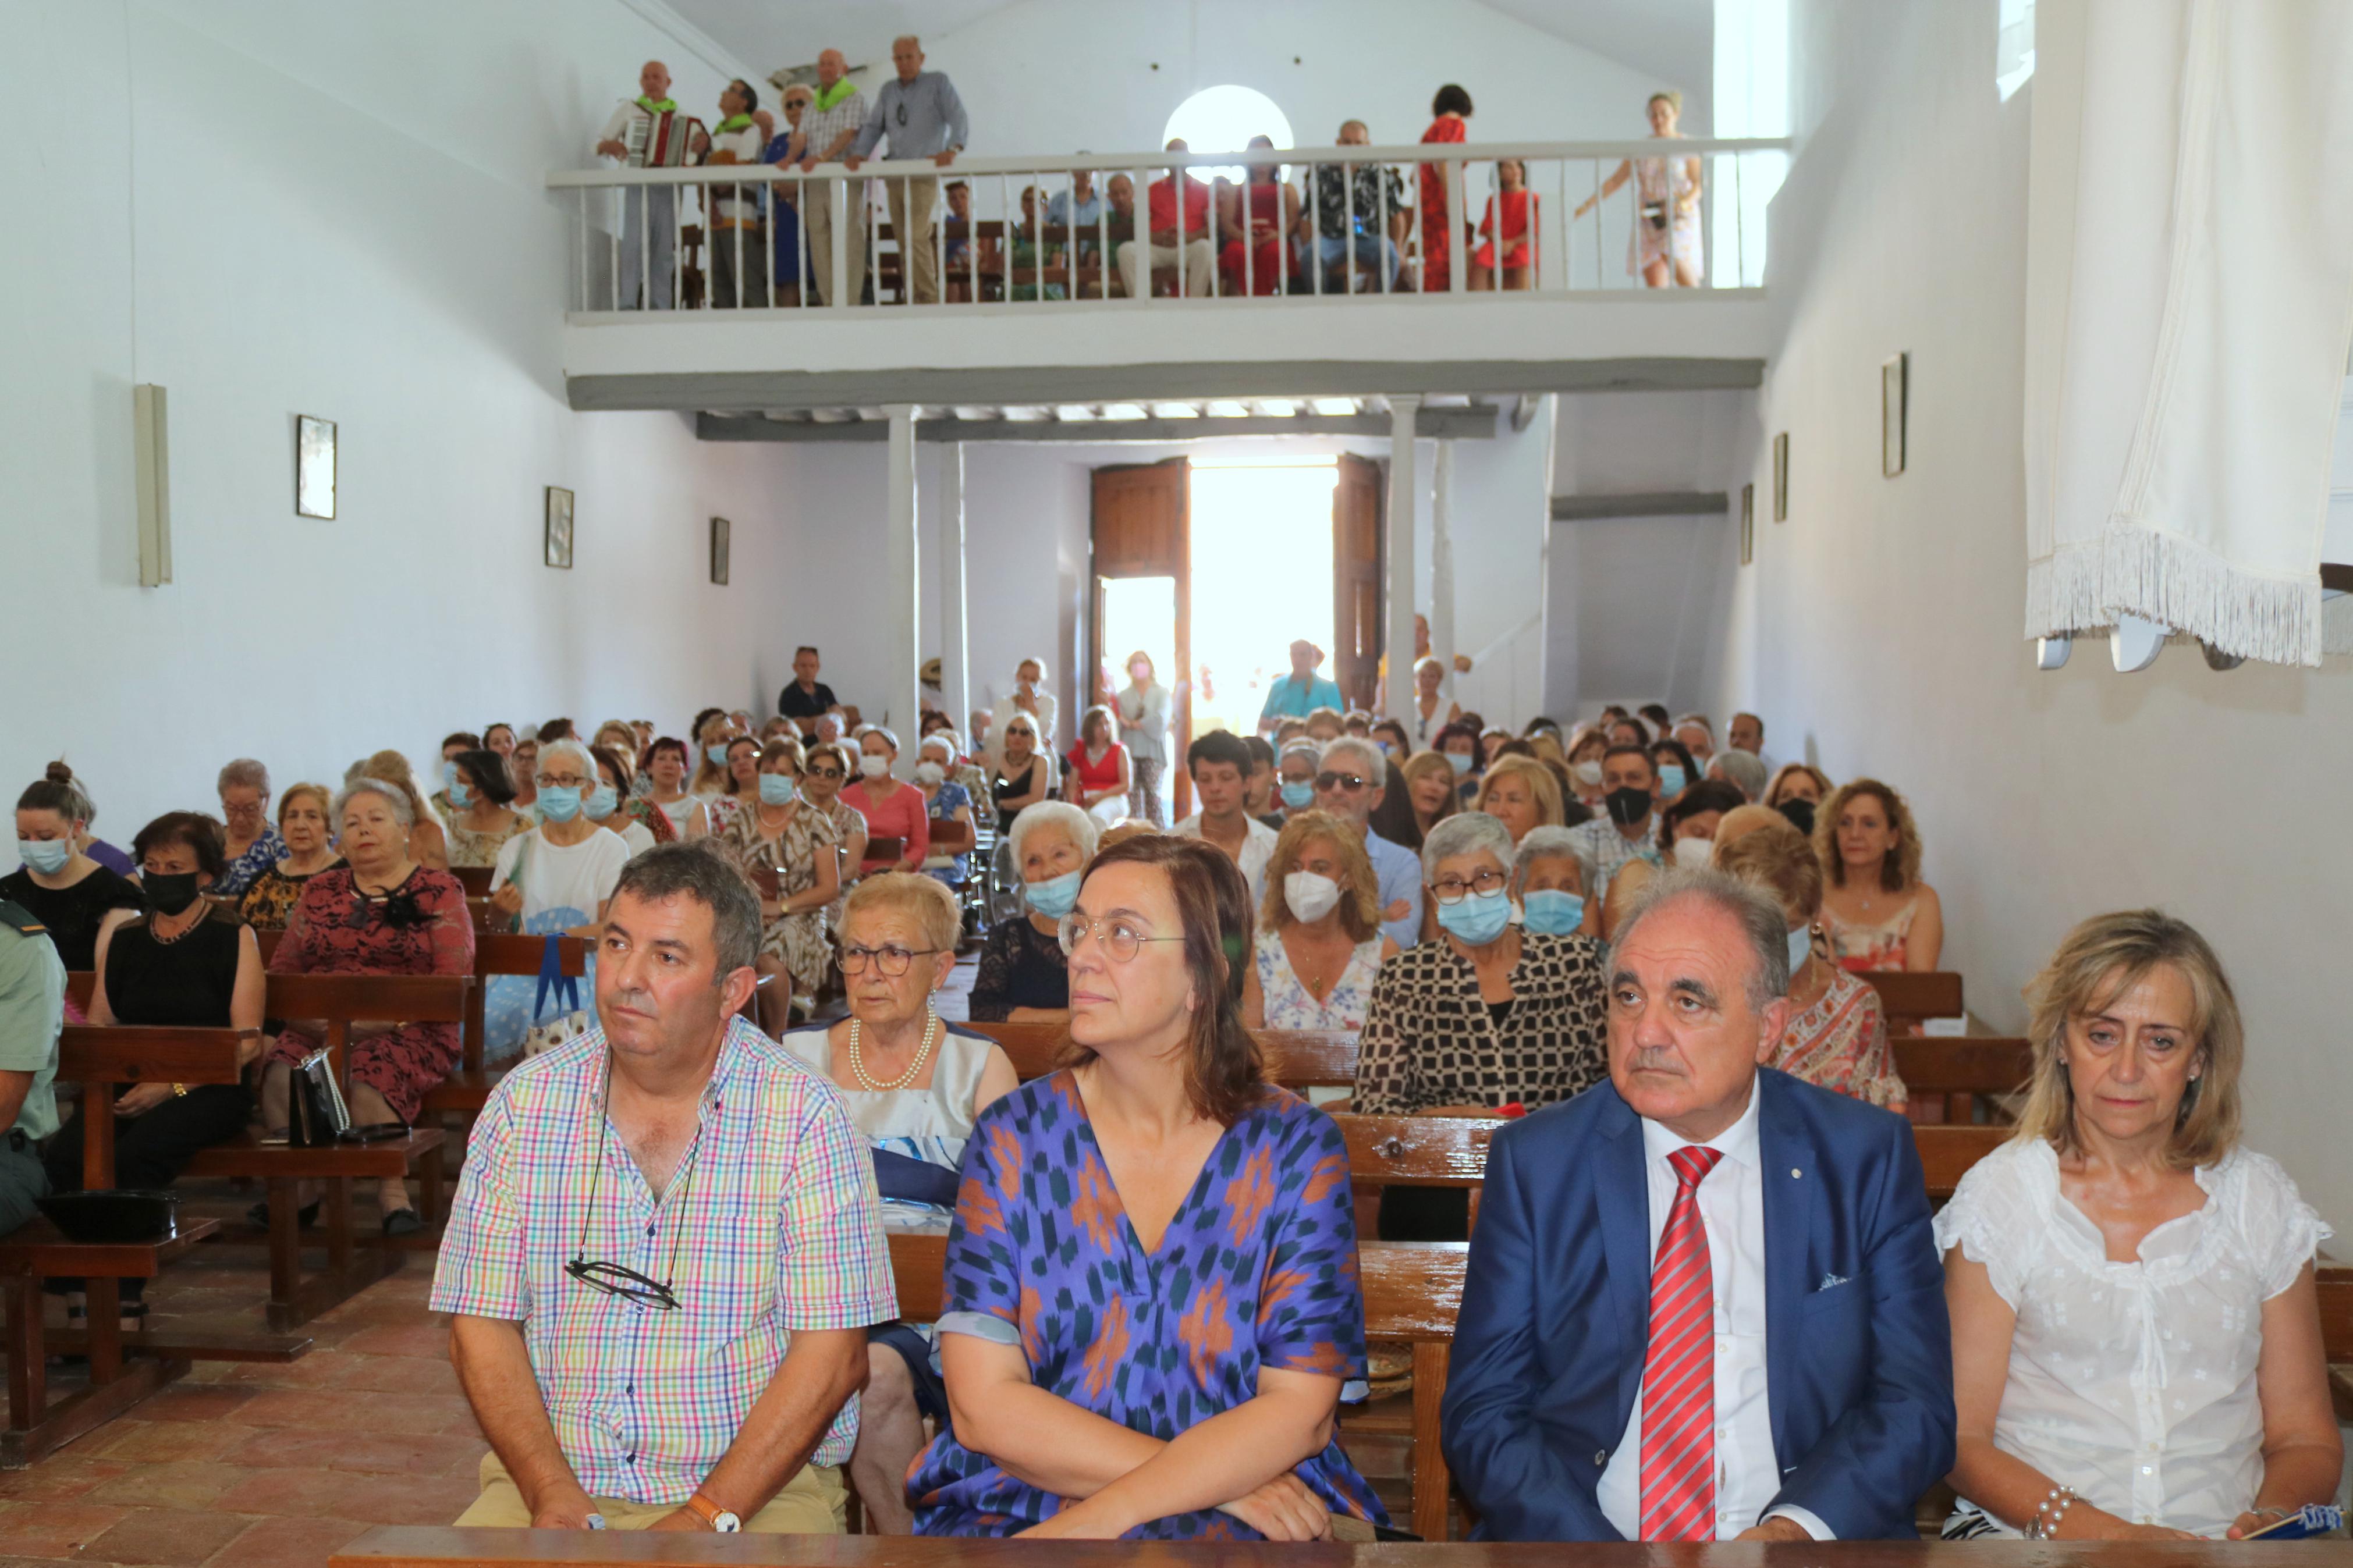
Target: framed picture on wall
{"points": [[1895, 377], [559, 527], [314, 467], [1781, 476], [720, 530], [1747, 524]]}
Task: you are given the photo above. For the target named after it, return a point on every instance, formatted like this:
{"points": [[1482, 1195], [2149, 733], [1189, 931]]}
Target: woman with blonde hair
{"points": [[1836, 1037], [1430, 784], [1666, 236], [712, 732], [1797, 780], [1586, 747], [2137, 1341], [1876, 913], [1318, 943], [1522, 794]]}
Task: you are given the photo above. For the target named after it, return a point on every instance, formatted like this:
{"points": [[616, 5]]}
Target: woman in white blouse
{"points": [[2136, 1348], [1143, 730]]}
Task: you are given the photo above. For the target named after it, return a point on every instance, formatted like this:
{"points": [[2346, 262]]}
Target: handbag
{"points": [[316, 1114], [568, 1024]]}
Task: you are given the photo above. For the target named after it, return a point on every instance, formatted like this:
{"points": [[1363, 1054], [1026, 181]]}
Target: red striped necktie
{"points": [[1679, 1372]]}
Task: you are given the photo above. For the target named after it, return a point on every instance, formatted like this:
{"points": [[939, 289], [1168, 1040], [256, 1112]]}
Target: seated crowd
{"points": [[1638, 951], [1342, 228]]}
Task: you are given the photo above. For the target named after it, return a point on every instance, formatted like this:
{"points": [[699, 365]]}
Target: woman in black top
{"points": [[189, 964], [61, 886], [1024, 775]]}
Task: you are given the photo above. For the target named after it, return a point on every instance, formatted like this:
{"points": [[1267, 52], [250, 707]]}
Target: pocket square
{"points": [[1830, 1281]]}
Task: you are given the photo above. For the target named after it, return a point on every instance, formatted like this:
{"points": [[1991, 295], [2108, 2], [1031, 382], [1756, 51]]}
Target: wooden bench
{"points": [[475, 879], [1959, 1071], [1296, 1058], [465, 1092], [341, 1000], [98, 1059], [1908, 1001]]}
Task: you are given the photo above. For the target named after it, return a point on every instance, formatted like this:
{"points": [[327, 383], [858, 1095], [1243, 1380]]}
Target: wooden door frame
{"points": [[1181, 688]]}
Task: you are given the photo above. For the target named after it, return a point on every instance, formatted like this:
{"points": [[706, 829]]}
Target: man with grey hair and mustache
{"points": [[666, 1248], [922, 117], [1705, 1301]]}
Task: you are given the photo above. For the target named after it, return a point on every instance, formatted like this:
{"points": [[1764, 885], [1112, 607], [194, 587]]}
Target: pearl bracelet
{"points": [[2041, 1528]]}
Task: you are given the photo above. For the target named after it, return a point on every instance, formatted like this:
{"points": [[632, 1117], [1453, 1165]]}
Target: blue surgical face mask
{"points": [[1671, 778], [1461, 760], [46, 856], [777, 789], [718, 755], [1299, 796], [1477, 917], [558, 804], [1054, 897], [602, 801], [1802, 947], [1551, 911]]}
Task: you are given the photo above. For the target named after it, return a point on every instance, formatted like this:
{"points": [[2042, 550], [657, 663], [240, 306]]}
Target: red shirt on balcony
{"points": [[1160, 206]]}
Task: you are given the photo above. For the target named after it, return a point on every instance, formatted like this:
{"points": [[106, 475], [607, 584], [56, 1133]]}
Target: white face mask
{"points": [[929, 772], [1694, 853], [1588, 774], [1310, 896], [874, 765]]}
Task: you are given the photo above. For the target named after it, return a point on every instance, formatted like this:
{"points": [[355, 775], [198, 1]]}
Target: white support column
{"points": [[1441, 566], [1403, 407], [903, 697], [955, 652]]}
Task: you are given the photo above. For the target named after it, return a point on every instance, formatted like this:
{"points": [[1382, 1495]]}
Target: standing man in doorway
{"points": [[1300, 693], [806, 698], [1219, 762], [826, 132], [923, 118]]}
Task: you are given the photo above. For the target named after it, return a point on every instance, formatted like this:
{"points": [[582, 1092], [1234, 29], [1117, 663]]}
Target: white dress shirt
{"points": [[1258, 848], [1732, 1211]]}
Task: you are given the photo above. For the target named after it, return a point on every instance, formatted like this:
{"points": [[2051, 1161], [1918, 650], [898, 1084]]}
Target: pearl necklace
{"points": [[923, 1055]]}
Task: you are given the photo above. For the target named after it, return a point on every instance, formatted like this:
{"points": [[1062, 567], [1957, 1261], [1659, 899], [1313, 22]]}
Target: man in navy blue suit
{"points": [[1704, 1300]]}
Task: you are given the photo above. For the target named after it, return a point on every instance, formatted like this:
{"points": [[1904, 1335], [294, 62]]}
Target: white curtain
{"points": [[2190, 302]]}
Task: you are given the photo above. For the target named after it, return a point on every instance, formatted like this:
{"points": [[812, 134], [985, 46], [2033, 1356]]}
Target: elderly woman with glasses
{"points": [[1151, 1306], [914, 1085], [1022, 977], [796, 841], [2136, 1338], [304, 813], [554, 879], [253, 845], [1490, 1014]]}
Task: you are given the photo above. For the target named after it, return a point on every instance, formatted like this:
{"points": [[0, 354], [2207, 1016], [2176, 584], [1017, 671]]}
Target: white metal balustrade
{"points": [[1066, 265]]}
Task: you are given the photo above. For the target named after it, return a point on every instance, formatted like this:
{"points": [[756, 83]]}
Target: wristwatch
{"points": [[721, 1521]]}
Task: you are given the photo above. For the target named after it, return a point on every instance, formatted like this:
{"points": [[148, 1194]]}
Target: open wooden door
{"points": [[1142, 575], [1357, 500]]}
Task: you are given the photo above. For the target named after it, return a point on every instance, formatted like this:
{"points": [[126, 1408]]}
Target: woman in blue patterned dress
{"points": [[1152, 1305]]}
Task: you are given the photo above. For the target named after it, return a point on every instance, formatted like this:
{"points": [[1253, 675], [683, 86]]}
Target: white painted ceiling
{"points": [[1670, 39]]}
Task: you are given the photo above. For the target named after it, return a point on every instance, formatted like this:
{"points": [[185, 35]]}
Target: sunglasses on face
{"points": [[1349, 782]]}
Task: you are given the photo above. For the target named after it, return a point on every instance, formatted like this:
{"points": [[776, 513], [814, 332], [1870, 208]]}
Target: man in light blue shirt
{"points": [[1082, 208], [1300, 693], [923, 118], [1348, 785]]}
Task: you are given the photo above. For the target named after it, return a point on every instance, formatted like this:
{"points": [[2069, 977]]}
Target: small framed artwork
{"points": [[314, 467], [1781, 476], [1893, 383], [720, 530], [559, 527], [1747, 524]]}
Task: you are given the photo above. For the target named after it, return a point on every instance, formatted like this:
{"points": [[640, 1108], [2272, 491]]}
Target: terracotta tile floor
{"points": [[255, 1466]]}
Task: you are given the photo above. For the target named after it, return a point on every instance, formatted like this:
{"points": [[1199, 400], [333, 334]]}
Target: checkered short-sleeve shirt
{"points": [[778, 1230]]}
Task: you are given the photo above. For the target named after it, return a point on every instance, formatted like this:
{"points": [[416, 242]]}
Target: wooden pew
{"points": [[98, 1059], [1415, 1151], [475, 879], [1412, 1294], [1909, 1000], [464, 1092], [1296, 1058], [1960, 1069], [342, 1000]]}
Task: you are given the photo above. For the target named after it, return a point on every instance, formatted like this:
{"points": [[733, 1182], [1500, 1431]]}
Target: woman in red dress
{"points": [[1267, 209], [1513, 205], [1101, 770], [1453, 108]]}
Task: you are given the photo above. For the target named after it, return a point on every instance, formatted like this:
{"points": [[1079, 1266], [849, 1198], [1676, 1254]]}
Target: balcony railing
{"points": [[1009, 241]]}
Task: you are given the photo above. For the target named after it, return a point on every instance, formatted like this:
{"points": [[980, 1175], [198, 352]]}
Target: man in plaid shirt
{"points": [[831, 125], [667, 1248]]}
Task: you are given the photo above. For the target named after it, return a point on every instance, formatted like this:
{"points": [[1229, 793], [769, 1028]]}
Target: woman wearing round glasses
{"points": [[1490, 1015], [1022, 977], [1150, 1300], [913, 1085]]}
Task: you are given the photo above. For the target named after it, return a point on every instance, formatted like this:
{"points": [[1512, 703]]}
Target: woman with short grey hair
{"points": [[252, 844], [1744, 771], [1024, 976], [1549, 877], [555, 878], [1490, 1015]]}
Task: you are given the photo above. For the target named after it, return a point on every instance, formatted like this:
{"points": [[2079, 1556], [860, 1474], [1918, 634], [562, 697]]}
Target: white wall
{"points": [[333, 210], [1879, 629]]}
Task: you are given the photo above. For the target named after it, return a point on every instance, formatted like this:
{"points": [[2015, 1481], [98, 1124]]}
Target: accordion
{"points": [[661, 140]]}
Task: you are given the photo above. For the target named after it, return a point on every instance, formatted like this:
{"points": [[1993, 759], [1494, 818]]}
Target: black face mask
{"points": [[1628, 806], [170, 892], [1801, 813]]}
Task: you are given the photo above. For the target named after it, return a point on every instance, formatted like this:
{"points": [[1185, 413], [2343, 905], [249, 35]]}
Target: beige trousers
{"points": [[812, 1503], [918, 242], [1200, 263], [817, 218]]}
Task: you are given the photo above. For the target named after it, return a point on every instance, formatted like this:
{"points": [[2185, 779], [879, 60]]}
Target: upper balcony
{"points": [[1036, 309]]}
